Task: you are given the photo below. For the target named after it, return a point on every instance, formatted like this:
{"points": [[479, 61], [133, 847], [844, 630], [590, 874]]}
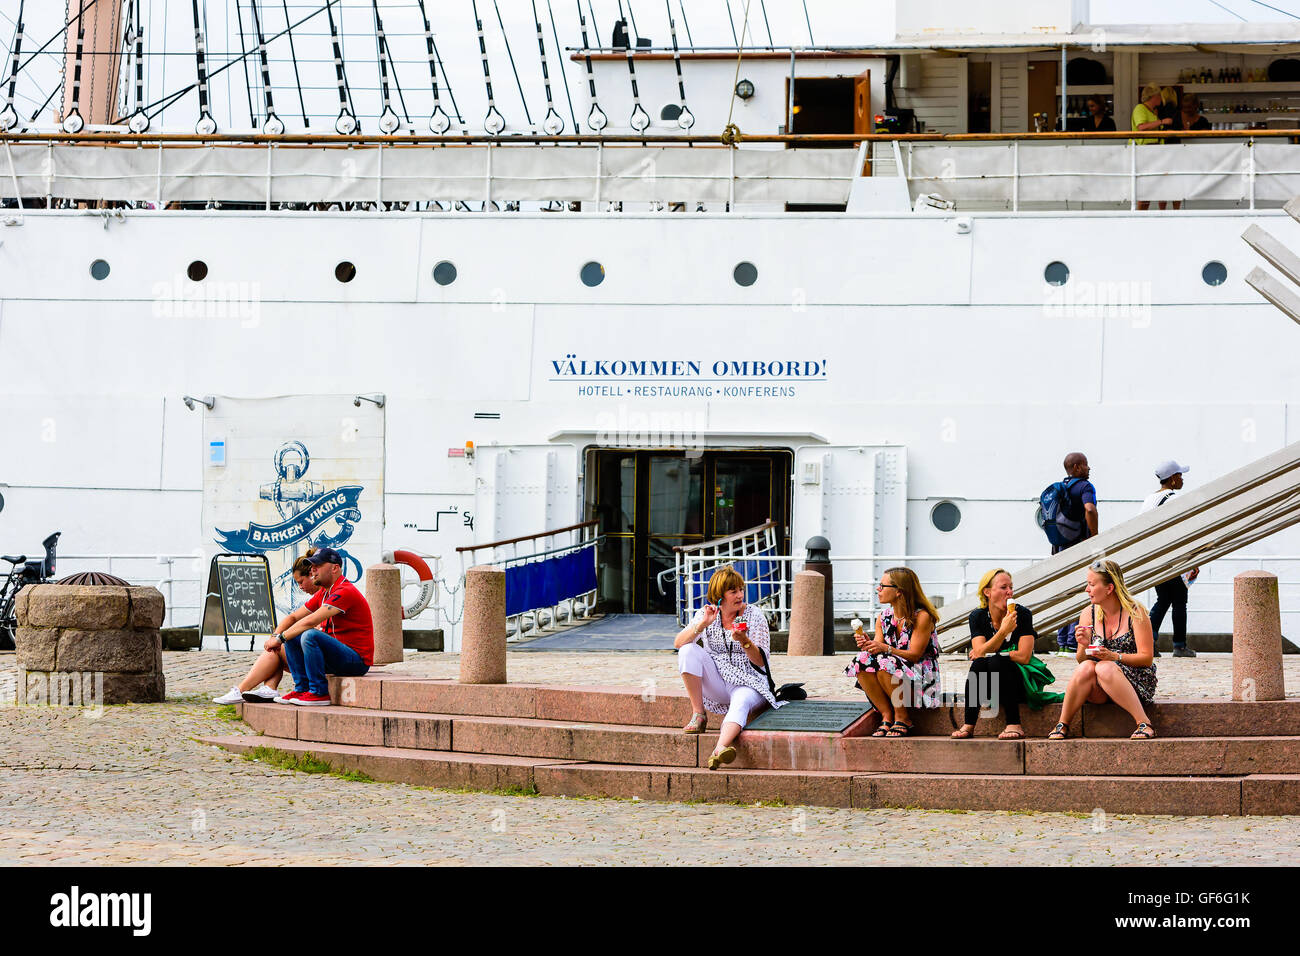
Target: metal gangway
{"points": [[1192, 529]]}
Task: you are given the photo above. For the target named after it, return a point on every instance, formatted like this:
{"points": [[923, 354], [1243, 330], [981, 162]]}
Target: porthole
{"points": [[444, 273], [670, 113], [198, 270], [345, 272], [593, 274], [1056, 273], [945, 516], [1214, 273], [99, 269], [745, 274]]}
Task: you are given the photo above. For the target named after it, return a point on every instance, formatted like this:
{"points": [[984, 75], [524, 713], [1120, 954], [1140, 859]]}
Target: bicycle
{"points": [[22, 572]]}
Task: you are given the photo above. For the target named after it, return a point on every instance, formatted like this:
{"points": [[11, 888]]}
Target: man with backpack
{"points": [[1171, 594], [1069, 512]]}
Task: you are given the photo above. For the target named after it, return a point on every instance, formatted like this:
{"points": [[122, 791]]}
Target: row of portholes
{"points": [[1058, 273], [444, 273]]}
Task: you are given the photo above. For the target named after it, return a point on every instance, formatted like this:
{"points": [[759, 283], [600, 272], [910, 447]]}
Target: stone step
{"points": [[669, 707], [511, 736], [1189, 795], [657, 746]]}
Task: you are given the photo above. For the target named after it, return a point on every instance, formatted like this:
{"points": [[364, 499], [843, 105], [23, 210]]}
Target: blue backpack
{"points": [[1053, 507]]}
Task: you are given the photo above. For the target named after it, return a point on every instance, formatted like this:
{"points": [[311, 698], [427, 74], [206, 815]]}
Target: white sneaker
{"points": [[260, 695], [232, 696]]}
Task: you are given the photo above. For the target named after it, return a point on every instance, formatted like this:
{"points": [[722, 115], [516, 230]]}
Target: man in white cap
{"points": [[1171, 594]]}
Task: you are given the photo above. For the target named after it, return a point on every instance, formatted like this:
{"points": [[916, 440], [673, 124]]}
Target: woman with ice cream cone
{"points": [[728, 674]]}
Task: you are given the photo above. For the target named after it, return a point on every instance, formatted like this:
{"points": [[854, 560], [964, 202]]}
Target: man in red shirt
{"points": [[335, 637]]}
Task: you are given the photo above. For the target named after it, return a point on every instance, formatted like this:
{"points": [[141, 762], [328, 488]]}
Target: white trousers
{"points": [[693, 659]]}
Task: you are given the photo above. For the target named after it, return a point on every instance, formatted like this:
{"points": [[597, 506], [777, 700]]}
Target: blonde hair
{"points": [[914, 599], [1168, 95], [725, 579], [986, 581], [1115, 577], [1150, 90]]}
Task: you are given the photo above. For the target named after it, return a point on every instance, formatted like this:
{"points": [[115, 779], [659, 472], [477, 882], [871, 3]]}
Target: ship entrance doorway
{"points": [[648, 502]]}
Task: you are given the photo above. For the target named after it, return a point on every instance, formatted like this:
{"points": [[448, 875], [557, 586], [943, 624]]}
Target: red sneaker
{"points": [[288, 698], [312, 700]]}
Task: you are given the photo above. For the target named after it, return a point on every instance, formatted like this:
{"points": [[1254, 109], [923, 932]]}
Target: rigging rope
{"points": [[73, 123], [564, 73], [206, 125], [493, 121], [731, 133], [243, 48], [8, 115], [685, 119], [139, 121], [346, 123], [439, 121], [522, 99], [389, 121], [553, 123], [293, 55], [271, 124], [596, 119]]}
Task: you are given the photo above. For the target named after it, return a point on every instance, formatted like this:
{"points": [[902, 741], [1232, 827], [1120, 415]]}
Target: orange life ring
{"points": [[427, 585]]}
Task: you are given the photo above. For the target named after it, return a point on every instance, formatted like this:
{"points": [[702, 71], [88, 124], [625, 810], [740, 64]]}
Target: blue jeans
{"points": [[313, 654]]}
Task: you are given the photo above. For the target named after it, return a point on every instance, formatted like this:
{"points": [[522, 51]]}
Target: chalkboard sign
{"points": [[243, 585]]}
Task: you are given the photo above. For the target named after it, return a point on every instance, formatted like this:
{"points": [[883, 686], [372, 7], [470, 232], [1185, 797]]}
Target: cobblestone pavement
{"points": [[134, 786]]}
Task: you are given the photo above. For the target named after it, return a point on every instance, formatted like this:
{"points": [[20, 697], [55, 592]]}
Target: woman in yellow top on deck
{"points": [[1145, 117]]}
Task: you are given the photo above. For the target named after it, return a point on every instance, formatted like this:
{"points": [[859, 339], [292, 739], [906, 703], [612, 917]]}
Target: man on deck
{"points": [[336, 637]]}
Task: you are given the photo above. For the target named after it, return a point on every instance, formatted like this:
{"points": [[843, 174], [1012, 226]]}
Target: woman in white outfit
{"points": [[727, 675]]}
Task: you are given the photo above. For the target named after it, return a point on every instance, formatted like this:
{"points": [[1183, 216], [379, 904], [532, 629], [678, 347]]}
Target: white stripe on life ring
{"points": [[427, 585]]}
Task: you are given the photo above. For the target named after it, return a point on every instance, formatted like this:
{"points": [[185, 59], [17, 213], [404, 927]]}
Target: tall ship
{"points": [[488, 283]]}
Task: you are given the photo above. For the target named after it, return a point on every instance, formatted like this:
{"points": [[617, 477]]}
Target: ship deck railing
{"points": [[1016, 172]]}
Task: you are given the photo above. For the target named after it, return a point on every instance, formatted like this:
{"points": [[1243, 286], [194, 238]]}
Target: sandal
{"points": [[1059, 732], [1012, 735], [959, 735], [699, 724], [883, 729], [900, 729], [1143, 732], [725, 755]]}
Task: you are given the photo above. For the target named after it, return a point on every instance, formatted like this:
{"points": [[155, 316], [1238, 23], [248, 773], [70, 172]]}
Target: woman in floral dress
{"points": [[899, 667]]}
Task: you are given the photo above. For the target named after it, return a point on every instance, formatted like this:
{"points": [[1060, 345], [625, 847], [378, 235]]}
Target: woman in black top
{"points": [[1189, 113], [1101, 122], [1002, 637]]}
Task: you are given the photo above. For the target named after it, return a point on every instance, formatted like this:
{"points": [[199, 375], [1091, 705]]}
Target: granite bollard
{"points": [[1256, 638], [384, 593], [807, 615], [483, 631]]}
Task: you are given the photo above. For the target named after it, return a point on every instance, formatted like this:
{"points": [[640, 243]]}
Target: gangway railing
{"points": [[1225, 515], [549, 575], [751, 552]]}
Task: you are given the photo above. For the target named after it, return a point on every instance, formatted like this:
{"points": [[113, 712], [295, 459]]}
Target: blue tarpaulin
{"points": [[547, 582]]}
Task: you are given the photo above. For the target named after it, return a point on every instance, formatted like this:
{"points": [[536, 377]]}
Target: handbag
{"points": [[785, 692]]}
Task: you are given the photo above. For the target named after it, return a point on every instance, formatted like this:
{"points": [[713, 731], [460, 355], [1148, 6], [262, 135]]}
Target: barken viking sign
{"points": [[287, 474]]}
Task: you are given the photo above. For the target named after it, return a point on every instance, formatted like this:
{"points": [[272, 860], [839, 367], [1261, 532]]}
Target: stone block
{"points": [[449, 697], [37, 647], [384, 594], [134, 688], [1256, 638], [83, 607], [1191, 796], [942, 721], [1270, 795], [356, 691], [483, 633], [147, 607], [20, 606], [807, 614], [644, 707], [274, 720], [721, 786], [340, 725], [1199, 718], [121, 651], [600, 743], [417, 731]]}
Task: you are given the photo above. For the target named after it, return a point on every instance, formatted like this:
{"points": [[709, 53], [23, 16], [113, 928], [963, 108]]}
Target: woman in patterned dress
{"points": [[1123, 668], [899, 667], [728, 674]]}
